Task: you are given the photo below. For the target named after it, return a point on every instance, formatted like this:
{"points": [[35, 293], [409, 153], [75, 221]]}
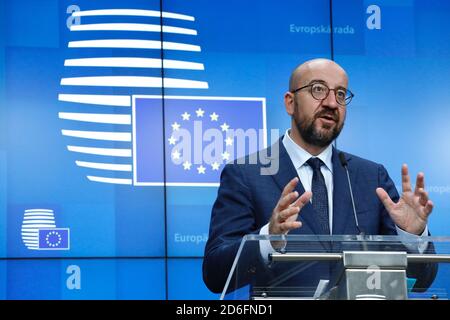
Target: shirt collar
{"points": [[299, 156]]}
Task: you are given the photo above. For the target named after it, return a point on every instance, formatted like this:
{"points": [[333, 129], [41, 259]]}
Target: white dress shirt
{"points": [[299, 156]]}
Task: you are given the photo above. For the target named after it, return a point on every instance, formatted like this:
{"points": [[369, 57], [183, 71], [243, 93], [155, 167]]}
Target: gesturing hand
{"points": [[285, 213], [411, 212]]}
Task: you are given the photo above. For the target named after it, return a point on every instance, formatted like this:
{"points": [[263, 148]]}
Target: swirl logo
{"points": [[39, 231], [111, 93]]}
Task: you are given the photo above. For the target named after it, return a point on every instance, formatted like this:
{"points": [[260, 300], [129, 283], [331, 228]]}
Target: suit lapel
{"points": [[342, 206], [285, 174]]}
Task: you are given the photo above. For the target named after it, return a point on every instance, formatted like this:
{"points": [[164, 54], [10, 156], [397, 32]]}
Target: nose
{"points": [[330, 100]]}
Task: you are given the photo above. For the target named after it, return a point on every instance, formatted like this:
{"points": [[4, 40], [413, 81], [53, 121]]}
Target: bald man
{"points": [[309, 194]]}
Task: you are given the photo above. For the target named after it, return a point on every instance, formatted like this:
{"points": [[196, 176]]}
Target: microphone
{"points": [[345, 165]]}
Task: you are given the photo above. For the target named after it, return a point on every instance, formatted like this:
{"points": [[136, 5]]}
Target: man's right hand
{"points": [[284, 216]]}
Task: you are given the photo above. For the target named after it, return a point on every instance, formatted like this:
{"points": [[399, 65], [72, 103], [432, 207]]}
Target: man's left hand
{"points": [[411, 212]]}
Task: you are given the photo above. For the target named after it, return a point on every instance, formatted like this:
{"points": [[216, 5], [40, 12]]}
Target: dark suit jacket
{"points": [[246, 199]]}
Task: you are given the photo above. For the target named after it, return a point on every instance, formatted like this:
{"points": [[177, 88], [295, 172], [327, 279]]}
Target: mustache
{"points": [[330, 113]]}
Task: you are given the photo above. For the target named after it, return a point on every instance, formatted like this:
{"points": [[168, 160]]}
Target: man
{"points": [[310, 194]]}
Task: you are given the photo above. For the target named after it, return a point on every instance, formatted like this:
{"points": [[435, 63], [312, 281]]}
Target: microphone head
{"points": [[342, 159]]}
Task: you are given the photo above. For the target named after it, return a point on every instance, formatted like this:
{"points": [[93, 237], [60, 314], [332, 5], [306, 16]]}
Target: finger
{"points": [[303, 199], [385, 199], [287, 200], [406, 183], [286, 213], [289, 225], [289, 187], [423, 196], [428, 207], [420, 182]]}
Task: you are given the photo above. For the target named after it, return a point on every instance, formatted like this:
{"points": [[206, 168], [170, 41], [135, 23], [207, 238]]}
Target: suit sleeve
{"points": [[232, 217]]}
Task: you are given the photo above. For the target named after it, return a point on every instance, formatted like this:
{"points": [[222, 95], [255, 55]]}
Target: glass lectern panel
{"points": [[340, 267]]}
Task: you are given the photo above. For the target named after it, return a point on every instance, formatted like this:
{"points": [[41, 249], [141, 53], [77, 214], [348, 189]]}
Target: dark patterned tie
{"points": [[320, 195]]}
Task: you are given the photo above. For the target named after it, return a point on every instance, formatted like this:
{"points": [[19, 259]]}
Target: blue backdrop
{"points": [[72, 135]]}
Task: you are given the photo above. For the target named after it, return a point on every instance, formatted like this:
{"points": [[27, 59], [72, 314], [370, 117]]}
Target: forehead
{"points": [[331, 74]]}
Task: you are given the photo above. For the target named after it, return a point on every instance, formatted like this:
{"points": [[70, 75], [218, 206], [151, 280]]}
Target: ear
{"points": [[289, 102]]}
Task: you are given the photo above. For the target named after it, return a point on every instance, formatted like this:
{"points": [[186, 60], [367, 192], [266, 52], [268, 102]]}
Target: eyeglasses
{"points": [[320, 91]]}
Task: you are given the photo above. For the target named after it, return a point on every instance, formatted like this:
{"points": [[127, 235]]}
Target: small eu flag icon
{"points": [[54, 239]]}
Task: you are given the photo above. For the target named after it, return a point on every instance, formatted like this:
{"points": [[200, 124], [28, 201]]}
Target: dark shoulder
{"points": [[362, 163], [251, 164]]}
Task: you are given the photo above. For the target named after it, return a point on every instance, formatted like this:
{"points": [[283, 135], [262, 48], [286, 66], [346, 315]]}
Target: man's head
{"points": [[316, 122]]}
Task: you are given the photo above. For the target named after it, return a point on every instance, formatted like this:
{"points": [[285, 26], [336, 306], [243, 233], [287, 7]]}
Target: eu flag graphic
{"points": [[201, 134], [54, 239]]}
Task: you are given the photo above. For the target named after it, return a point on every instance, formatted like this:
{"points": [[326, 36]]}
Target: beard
{"points": [[314, 134]]}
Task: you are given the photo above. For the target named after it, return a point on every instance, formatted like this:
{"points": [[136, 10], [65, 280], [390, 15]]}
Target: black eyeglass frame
{"points": [[347, 99]]}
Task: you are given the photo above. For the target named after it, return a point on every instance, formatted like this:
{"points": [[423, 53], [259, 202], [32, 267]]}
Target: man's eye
{"points": [[318, 88], [341, 94]]}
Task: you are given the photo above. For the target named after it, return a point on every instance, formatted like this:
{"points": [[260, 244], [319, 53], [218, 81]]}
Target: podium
{"points": [[340, 267]]}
